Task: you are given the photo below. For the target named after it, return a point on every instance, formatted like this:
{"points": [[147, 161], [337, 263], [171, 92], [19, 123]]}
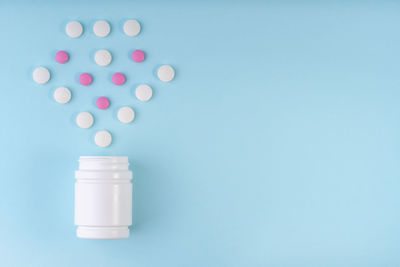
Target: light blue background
{"points": [[278, 143]]}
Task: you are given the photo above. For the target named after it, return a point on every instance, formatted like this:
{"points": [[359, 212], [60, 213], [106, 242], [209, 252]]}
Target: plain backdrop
{"points": [[277, 144]]}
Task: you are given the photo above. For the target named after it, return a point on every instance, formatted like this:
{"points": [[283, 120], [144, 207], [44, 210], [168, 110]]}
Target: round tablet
{"points": [[132, 27], [166, 73], [102, 102], [126, 114], [103, 138], [85, 79], [62, 57], [118, 78], [103, 57], [84, 120], [41, 75], [143, 92], [138, 56], [62, 95], [74, 29], [101, 28]]}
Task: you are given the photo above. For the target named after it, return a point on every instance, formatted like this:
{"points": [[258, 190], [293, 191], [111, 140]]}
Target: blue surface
{"points": [[278, 143]]}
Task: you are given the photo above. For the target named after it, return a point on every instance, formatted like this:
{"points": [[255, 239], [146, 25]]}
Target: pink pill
{"points": [[85, 79], [138, 56], [118, 78], [62, 57], [102, 102]]}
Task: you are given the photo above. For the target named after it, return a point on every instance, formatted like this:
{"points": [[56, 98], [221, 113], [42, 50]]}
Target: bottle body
{"points": [[103, 198]]}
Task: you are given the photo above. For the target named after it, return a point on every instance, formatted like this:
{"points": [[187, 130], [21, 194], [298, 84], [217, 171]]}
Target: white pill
{"points": [[62, 95], [101, 28], [126, 114], [103, 57], [166, 73], [103, 138], [132, 27], [74, 29], [143, 92], [84, 120], [41, 75]]}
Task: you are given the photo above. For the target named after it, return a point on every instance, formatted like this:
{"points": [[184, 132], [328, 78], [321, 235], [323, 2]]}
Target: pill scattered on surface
{"points": [[74, 29], [118, 78], [103, 102], [132, 27], [84, 120], [41, 75], [143, 92], [138, 56], [126, 114], [62, 95], [103, 57], [101, 28], [166, 73], [62, 57], [85, 79], [103, 138]]}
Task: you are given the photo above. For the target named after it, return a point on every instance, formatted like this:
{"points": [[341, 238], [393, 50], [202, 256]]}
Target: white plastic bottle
{"points": [[103, 197]]}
